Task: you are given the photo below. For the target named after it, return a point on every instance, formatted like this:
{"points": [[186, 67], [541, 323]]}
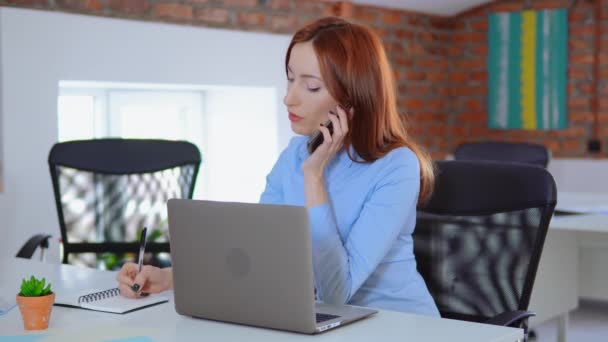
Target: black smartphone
{"points": [[317, 139]]}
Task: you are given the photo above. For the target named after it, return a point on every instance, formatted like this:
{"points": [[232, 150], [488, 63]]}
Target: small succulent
{"points": [[34, 288]]}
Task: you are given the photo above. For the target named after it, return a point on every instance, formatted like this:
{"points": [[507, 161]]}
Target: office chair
{"points": [[479, 238], [526, 153], [30, 247], [107, 190]]}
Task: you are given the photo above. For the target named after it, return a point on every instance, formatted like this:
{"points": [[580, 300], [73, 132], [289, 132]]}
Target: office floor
{"points": [[589, 323]]}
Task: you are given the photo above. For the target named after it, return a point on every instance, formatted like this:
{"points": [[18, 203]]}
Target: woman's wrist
{"points": [[313, 177], [314, 190], [168, 278]]}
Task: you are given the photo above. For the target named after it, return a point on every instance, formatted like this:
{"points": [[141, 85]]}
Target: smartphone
{"points": [[317, 138]]}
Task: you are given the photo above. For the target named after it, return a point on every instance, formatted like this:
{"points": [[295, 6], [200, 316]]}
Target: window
{"points": [[235, 128]]}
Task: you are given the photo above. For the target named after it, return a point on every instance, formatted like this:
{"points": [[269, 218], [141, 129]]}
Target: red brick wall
{"points": [[468, 87], [439, 63], [416, 45], [251, 15]]}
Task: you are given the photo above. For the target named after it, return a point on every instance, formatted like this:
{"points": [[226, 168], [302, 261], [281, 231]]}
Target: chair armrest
{"points": [[511, 318], [32, 244]]}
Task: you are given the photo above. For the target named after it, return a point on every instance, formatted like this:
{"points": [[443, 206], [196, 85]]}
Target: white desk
{"points": [[555, 291], [574, 260], [591, 232], [582, 202], [162, 323]]}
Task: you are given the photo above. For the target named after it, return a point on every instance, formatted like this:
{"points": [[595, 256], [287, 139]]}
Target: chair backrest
{"points": [[107, 190], [526, 153], [479, 238]]}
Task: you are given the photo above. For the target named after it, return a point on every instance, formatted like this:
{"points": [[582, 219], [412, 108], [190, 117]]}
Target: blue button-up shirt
{"points": [[362, 238]]}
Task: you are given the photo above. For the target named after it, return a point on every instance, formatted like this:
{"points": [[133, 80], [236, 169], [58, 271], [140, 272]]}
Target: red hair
{"points": [[357, 73]]}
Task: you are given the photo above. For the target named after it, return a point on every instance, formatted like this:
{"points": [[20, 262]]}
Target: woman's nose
{"points": [[290, 97]]}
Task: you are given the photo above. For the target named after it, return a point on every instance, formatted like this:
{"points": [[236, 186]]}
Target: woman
{"points": [[361, 185]]}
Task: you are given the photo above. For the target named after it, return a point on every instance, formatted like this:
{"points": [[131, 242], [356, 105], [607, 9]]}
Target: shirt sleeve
{"points": [[273, 192], [341, 267]]}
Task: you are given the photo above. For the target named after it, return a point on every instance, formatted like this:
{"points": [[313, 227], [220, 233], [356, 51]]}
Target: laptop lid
{"points": [[243, 263]]}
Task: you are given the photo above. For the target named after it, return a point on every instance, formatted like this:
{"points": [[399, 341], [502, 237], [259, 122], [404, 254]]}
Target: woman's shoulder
{"points": [[401, 157], [399, 163]]}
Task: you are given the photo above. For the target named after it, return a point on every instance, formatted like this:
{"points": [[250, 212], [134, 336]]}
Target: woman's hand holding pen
{"points": [[150, 280]]}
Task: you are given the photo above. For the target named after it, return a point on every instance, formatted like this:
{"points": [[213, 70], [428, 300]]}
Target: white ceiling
{"points": [[437, 7]]}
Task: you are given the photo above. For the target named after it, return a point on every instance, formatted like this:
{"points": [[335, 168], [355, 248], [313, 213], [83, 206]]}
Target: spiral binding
{"points": [[92, 297]]}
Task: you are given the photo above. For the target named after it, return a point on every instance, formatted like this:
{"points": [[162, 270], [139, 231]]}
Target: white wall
{"points": [[39, 48], [1, 135]]}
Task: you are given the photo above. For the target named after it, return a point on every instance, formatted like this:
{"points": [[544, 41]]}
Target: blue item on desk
{"points": [[5, 306], [22, 338]]}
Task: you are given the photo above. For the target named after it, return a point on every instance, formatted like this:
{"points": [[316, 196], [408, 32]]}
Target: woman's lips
{"points": [[294, 118]]}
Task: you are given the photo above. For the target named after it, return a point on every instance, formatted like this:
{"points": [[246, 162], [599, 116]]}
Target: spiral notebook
{"points": [[108, 301]]}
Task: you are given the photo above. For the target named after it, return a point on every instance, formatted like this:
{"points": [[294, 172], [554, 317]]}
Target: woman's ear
{"points": [[351, 112], [347, 107]]}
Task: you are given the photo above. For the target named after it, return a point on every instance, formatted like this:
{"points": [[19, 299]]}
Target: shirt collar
{"points": [[340, 158]]}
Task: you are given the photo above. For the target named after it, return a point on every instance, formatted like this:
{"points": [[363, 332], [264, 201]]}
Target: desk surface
{"points": [[582, 202], [162, 323], [583, 223]]}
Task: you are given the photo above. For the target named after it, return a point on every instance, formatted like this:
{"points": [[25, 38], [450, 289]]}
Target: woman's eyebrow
{"points": [[305, 75]]}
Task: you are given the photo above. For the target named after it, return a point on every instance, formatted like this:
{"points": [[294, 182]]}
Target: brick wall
{"points": [[416, 45], [439, 63], [251, 15], [468, 75]]}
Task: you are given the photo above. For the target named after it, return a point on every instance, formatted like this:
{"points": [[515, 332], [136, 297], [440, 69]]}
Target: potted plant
{"points": [[35, 303]]}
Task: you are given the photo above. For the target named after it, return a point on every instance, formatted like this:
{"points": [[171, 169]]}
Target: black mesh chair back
{"points": [[107, 190], [478, 240], [526, 153]]}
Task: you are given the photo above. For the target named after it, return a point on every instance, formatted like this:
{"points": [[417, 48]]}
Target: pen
{"points": [[142, 249]]}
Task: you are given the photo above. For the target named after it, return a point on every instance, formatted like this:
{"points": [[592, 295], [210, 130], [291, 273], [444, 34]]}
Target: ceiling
{"points": [[437, 7]]}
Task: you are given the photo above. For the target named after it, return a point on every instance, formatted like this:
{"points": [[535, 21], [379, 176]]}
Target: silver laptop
{"points": [[249, 264]]}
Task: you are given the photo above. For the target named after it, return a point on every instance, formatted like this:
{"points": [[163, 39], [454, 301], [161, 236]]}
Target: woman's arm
{"points": [[341, 267], [313, 168], [273, 193]]}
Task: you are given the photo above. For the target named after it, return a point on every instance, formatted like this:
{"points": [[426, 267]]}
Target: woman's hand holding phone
{"points": [[317, 137], [333, 139]]}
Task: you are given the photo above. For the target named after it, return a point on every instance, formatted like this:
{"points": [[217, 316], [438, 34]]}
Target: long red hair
{"points": [[357, 73]]}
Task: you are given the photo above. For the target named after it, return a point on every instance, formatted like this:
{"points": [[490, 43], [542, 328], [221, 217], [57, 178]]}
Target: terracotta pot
{"points": [[36, 311]]}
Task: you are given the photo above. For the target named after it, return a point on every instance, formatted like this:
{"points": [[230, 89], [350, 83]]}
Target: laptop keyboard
{"points": [[325, 317]]}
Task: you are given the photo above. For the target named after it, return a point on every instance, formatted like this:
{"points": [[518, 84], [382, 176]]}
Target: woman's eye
{"points": [[314, 89]]}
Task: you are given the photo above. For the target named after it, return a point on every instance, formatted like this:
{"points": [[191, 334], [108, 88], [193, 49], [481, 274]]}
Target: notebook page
{"points": [[70, 299], [120, 304], [113, 302]]}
